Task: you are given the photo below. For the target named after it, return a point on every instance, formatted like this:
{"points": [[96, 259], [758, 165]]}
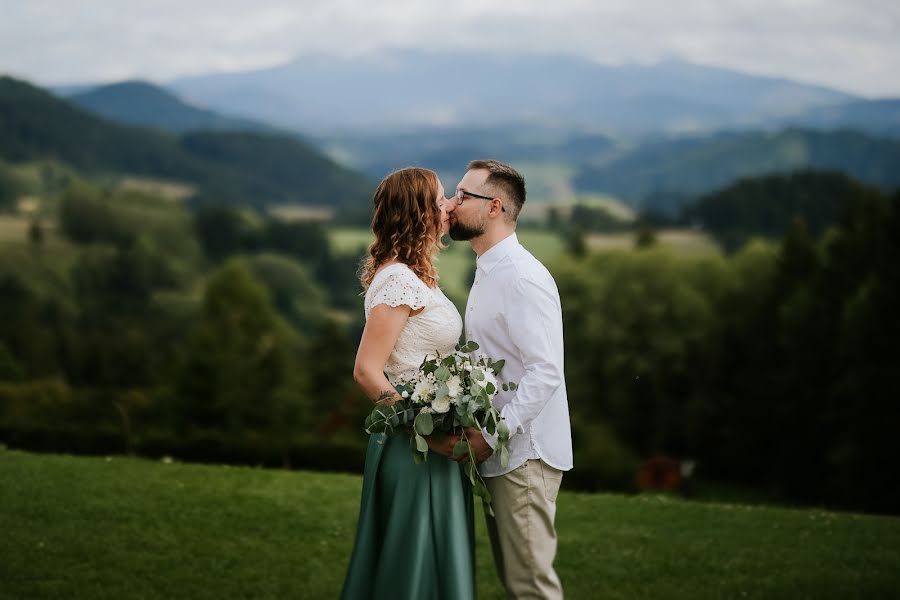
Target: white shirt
{"points": [[514, 313]]}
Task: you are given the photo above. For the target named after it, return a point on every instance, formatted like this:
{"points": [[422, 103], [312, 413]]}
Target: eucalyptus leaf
{"points": [[461, 447], [421, 444], [480, 490], [490, 389], [498, 366], [504, 455], [503, 430], [477, 375], [424, 424], [473, 346], [442, 373]]}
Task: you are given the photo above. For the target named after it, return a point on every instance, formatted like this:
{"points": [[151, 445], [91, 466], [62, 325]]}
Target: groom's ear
{"points": [[496, 208]]}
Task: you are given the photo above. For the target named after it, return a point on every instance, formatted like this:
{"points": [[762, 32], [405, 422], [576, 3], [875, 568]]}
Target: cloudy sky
{"points": [[852, 45]]}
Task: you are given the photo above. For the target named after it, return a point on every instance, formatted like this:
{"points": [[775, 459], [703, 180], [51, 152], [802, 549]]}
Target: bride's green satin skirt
{"points": [[415, 538]]}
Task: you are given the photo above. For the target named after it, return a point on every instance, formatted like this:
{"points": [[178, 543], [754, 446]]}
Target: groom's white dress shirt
{"points": [[514, 313]]}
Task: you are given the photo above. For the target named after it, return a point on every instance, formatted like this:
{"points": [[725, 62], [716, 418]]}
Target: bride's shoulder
{"points": [[396, 271], [396, 284]]}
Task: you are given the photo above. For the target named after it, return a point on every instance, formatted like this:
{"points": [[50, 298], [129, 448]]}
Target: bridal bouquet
{"points": [[446, 395]]}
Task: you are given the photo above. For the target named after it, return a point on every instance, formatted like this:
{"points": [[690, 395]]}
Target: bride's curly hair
{"points": [[406, 222]]}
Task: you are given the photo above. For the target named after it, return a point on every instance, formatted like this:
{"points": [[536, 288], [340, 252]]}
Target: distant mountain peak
{"points": [[141, 102]]}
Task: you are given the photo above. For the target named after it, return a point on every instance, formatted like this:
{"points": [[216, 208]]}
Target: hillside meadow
{"points": [[117, 527], [456, 263]]}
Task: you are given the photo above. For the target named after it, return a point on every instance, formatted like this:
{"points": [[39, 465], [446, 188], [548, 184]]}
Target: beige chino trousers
{"points": [[521, 531]]}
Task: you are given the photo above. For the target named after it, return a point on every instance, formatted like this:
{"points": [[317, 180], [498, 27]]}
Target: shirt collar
{"points": [[496, 253]]}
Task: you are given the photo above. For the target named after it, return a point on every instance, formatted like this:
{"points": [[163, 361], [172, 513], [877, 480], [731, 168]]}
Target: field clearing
{"points": [[301, 212], [169, 190], [82, 528], [13, 229], [14, 232], [684, 242], [537, 212], [457, 263]]}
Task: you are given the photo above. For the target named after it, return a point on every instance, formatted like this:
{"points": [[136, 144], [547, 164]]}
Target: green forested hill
{"points": [[142, 103], [766, 206], [666, 174], [235, 167]]}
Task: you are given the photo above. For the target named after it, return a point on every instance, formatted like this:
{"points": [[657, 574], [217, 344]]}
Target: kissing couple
{"points": [[415, 538]]}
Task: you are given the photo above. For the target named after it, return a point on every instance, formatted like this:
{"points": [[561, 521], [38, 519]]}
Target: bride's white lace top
{"points": [[435, 329]]}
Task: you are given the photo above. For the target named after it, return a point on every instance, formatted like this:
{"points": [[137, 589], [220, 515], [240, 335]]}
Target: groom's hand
{"points": [[442, 444], [480, 448]]}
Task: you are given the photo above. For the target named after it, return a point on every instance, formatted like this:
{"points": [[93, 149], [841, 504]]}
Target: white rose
{"points": [[441, 405], [454, 386]]}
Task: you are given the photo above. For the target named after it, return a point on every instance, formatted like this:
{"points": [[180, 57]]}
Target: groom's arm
{"points": [[534, 321]]}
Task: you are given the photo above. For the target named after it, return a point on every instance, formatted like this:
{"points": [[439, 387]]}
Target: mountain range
{"points": [[401, 89], [247, 167], [800, 127]]}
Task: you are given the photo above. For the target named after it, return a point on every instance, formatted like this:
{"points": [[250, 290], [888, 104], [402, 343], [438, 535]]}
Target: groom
{"points": [[514, 313]]}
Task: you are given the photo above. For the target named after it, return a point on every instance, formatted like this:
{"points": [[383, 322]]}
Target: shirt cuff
{"points": [[490, 439]]}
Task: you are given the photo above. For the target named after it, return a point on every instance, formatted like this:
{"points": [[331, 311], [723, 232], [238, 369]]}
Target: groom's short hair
{"points": [[504, 181]]}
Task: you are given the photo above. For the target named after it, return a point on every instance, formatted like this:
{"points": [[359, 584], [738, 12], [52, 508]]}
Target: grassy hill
{"points": [[118, 527], [249, 168]]}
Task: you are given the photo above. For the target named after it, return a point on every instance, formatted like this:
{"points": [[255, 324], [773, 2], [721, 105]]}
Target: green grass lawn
{"points": [[128, 528]]}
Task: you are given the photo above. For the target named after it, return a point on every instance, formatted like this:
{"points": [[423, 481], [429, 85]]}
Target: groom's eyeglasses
{"points": [[461, 195]]}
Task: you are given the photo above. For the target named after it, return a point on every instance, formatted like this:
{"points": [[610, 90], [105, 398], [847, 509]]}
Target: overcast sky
{"points": [[852, 45]]}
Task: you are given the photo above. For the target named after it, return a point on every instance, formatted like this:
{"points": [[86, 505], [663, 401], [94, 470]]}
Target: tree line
{"points": [[220, 334], [771, 367]]}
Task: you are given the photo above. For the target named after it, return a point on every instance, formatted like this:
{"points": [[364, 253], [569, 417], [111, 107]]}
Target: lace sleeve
{"points": [[400, 287]]}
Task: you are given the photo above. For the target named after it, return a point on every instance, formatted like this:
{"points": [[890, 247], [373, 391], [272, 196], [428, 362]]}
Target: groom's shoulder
{"points": [[528, 267]]}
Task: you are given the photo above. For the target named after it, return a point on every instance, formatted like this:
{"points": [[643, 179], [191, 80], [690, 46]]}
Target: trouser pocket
{"points": [[552, 479]]}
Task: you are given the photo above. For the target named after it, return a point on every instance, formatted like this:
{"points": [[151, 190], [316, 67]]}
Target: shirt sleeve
{"points": [[534, 320], [402, 287]]}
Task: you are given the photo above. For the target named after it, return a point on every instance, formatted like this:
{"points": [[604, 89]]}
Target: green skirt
{"points": [[416, 534]]}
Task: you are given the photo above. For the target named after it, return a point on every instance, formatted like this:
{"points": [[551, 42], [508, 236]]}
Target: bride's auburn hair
{"points": [[406, 222]]}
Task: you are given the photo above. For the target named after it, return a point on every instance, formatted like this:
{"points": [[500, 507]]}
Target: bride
{"points": [[415, 538]]}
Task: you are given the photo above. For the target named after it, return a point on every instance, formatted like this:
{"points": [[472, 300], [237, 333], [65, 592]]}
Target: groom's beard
{"points": [[462, 233]]}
